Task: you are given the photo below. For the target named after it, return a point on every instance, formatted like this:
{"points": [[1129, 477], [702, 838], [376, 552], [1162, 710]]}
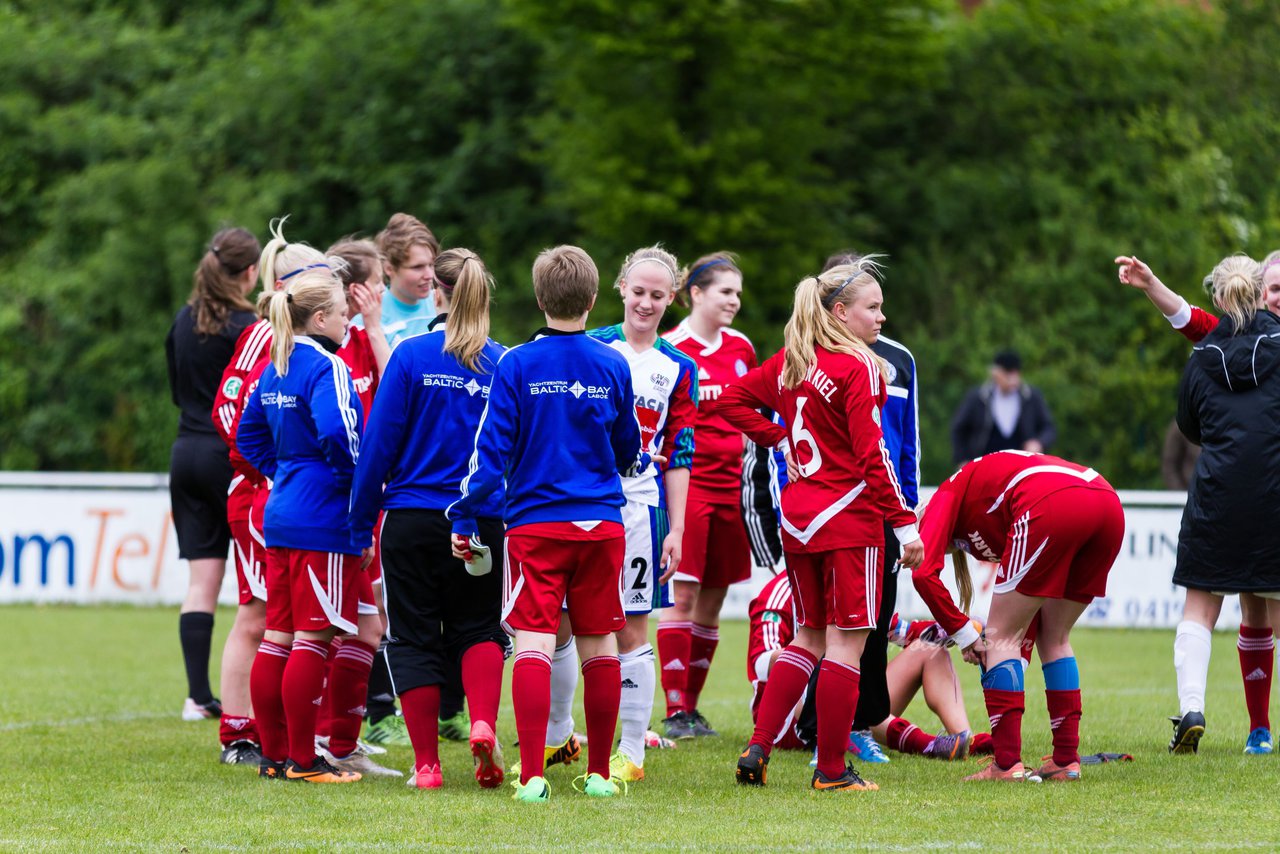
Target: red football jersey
{"points": [[717, 453], [253, 352], [977, 510], [357, 353], [773, 622], [848, 487], [239, 464]]}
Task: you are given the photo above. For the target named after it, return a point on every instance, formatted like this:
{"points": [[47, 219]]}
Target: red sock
{"points": [[303, 687], [837, 700], [906, 737], [788, 678], [674, 641], [981, 744], [702, 648], [601, 696], [231, 728], [482, 681], [347, 692], [1005, 708], [266, 690], [421, 707], [1064, 720], [531, 696], [1257, 650], [324, 718]]}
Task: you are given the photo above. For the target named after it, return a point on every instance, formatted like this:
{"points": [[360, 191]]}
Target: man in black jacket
{"points": [[1001, 414]]}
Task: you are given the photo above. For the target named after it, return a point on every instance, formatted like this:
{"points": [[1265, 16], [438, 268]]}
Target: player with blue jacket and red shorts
{"points": [[301, 429], [560, 428]]}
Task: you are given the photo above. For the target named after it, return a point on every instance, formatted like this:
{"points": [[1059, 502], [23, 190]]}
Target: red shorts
{"points": [[367, 597], [838, 588], [1064, 546], [247, 544], [550, 564], [374, 570], [715, 548], [311, 591]]}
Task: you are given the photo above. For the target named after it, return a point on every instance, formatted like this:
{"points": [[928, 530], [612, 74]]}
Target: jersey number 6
{"points": [[800, 435]]}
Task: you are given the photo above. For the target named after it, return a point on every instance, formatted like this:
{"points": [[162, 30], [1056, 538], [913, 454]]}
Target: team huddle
{"points": [[408, 496]]}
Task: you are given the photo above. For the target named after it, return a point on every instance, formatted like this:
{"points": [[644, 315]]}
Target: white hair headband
{"points": [[670, 270]]}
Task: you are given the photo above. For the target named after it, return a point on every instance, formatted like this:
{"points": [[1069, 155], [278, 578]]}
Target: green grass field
{"points": [[97, 758]]}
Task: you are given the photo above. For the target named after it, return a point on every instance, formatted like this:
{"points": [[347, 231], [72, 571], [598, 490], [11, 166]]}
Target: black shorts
{"points": [[199, 476], [436, 610]]}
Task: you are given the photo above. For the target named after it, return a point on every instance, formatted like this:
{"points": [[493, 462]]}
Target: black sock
{"points": [[451, 696], [195, 628], [381, 701]]}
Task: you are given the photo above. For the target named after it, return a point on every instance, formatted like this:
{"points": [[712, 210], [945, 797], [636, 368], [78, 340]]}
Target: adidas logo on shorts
{"points": [[639, 599]]}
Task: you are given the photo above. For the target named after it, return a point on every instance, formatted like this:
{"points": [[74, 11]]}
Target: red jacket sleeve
{"points": [[1200, 325], [250, 347], [936, 532], [755, 389], [864, 397]]}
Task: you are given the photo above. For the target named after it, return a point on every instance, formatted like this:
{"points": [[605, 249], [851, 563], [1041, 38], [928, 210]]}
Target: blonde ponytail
{"points": [[282, 259], [462, 277], [812, 324], [1236, 288], [964, 579], [292, 306]]}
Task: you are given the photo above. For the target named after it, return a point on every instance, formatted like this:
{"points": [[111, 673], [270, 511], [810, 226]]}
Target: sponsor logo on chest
{"points": [[282, 401]]}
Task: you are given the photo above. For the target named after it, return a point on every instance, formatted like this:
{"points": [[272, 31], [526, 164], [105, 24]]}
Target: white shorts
{"points": [[646, 528]]}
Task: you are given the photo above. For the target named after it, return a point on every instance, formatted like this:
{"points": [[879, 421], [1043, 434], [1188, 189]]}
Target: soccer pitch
{"points": [[98, 758]]}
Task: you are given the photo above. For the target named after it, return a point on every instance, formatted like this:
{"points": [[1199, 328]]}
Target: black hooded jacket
{"points": [[1229, 404]]}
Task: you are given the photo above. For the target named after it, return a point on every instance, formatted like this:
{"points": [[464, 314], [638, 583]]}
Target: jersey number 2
{"points": [[642, 577]]}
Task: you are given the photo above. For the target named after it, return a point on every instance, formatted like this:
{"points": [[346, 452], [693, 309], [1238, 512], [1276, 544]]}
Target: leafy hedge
{"points": [[999, 159]]}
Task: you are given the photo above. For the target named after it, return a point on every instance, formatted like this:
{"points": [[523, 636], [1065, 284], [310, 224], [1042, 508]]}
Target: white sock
{"points": [[639, 677], [564, 683], [1191, 648]]}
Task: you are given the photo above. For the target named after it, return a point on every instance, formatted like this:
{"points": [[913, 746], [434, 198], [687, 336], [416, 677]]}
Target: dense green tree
{"points": [[999, 159]]}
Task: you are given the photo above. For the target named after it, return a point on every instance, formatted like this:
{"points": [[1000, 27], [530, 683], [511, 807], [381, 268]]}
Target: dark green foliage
{"points": [[1000, 160]]}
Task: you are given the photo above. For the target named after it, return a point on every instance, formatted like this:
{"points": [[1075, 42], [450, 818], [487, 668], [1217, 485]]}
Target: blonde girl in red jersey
{"points": [[716, 551], [828, 386], [1055, 527]]}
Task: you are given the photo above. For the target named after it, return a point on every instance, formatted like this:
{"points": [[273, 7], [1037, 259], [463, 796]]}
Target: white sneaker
{"points": [[368, 749], [193, 711], [360, 763]]}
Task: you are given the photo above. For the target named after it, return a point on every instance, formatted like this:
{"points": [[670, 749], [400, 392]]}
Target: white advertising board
{"points": [[91, 538], [109, 538]]}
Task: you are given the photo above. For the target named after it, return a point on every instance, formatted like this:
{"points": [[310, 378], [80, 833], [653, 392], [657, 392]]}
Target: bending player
{"points": [[828, 387], [1055, 527], [559, 428]]}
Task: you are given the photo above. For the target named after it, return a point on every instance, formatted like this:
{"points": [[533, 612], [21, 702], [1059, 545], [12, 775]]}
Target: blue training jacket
{"points": [[421, 432], [302, 431], [560, 427], [900, 420]]}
